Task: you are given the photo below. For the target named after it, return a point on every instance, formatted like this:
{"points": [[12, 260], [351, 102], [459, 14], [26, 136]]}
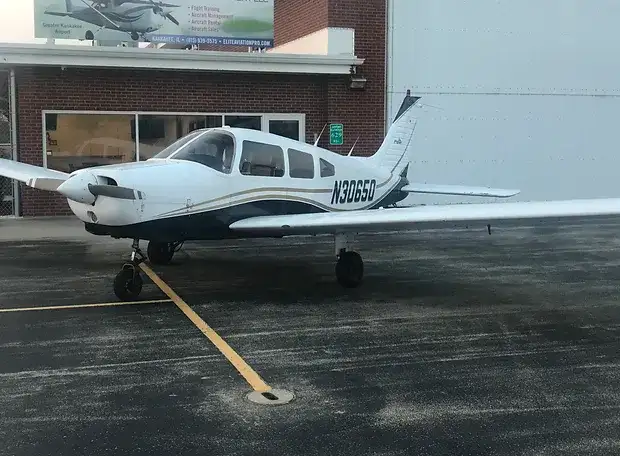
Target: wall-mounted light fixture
{"points": [[356, 81]]}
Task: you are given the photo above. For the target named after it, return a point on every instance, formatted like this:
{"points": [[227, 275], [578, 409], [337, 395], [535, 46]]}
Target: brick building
{"points": [[75, 106]]}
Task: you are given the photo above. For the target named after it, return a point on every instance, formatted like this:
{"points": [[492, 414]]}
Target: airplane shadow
{"points": [[304, 279]]}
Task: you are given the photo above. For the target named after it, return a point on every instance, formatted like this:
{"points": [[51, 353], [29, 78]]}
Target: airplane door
{"points": [[262, 179]]}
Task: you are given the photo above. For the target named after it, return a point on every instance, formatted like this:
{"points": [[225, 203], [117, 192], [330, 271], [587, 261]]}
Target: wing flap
{"points": [[31, 175], [462, 190], [406, 218]]}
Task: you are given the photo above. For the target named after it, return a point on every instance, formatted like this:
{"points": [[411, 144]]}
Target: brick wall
{"points": [[86, 89], [362, 113]]}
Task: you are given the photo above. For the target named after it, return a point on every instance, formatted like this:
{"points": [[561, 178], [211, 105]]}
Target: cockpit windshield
{"points": [[172, 148], [214, 149]]}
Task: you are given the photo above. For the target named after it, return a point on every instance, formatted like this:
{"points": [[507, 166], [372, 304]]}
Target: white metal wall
{"points": [[520, 94]]}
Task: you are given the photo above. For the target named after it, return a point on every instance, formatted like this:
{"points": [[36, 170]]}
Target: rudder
{"points": [[392, 153]]}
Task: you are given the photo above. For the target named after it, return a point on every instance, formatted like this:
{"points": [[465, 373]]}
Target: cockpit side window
{"points": [[213, 149], [259, 159], [327, 169]]}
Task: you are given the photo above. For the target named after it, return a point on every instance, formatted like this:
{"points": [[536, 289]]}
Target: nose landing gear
{"points": [[128, 282]]}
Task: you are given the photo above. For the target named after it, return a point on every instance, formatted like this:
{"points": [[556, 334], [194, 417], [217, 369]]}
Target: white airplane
{"points": [[223, 183], [135, 17]]}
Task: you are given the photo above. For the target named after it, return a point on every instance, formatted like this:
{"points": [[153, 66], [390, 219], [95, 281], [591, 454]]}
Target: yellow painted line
{"points": [[255, 381], [82, 306]]}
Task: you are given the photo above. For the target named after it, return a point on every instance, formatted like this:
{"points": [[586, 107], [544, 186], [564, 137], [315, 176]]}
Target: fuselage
{"points": [[197, 188]]}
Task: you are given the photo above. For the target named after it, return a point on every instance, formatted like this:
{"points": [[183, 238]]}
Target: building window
{"points": [[251, 122], [327, 169], [77, 141], [156, 132], [300, 164], [258, 159]]}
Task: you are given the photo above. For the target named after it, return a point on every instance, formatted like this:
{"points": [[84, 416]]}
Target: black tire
{"points": [[89, 35], [159, 252], [350, 269], [127, 284]]}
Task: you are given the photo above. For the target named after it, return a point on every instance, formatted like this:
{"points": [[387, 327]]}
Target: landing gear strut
{"points": [[128, 282], [350, 266]]}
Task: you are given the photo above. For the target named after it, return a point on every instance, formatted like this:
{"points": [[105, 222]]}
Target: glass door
{"points": [[287, 125]]}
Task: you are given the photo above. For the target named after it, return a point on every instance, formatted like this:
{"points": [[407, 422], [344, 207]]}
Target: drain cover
{"points": [[273, 397]]}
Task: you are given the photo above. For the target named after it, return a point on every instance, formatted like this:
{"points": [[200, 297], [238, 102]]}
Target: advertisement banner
{"points": [[213, 22]]}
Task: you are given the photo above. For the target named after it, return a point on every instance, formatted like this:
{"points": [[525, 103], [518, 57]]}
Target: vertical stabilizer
{"points": [[392, 155], [69, 5]]}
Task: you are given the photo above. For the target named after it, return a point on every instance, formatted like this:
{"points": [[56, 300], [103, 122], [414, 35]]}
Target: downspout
{"points": [[13, 102]]}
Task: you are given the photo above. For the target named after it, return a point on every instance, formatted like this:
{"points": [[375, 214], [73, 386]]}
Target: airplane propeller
{"points": [[114, 191], [158, 8]]}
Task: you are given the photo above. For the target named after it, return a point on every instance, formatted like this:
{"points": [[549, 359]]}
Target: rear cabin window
{"points": [[300, 164], [259, 159], [327, 169]]}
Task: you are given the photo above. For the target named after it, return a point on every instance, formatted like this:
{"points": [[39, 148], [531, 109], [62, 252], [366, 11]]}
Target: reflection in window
{"points": [[250, 122], [301, 164], [258, 159], [327, 169], [177, 145], [286, 128], [76, 141], [213, 149], [156, 132]]}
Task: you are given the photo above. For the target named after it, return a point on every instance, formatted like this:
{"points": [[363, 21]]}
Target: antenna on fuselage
{"points": [[316, 142], [351, 151]]}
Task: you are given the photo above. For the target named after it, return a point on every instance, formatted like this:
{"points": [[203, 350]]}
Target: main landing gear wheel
{"points": [[161, 252], [128, 282], [349, 267]]}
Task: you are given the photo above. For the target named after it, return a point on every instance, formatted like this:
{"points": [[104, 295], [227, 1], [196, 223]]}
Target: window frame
{"points": [[136, 113]]}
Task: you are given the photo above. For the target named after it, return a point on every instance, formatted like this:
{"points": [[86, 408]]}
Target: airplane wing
{"points": [[59, 13], [394, 219], [31, 175], [459, 190]]}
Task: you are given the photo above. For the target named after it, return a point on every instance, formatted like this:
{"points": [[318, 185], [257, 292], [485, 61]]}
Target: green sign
{"points": [[336, 134]]}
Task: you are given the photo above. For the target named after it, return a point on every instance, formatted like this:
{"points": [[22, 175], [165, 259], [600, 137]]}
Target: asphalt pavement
{"points": [[457, 343]]}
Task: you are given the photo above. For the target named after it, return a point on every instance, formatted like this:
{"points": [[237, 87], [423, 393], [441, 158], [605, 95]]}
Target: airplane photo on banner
{"points": [[231, 183], [134, 17]]}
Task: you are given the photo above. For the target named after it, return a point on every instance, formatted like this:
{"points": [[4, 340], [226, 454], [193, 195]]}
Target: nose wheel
{"points": [[128, 282]]}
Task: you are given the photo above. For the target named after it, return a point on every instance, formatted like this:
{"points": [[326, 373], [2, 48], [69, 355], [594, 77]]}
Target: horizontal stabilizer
{"points": [[31, 175], [406, 218], [462, 190]]}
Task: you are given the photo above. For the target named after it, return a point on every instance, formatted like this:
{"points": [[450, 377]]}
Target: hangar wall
{"points": [[517, 94]]}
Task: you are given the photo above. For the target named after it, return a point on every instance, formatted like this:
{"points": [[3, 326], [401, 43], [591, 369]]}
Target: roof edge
{"points": [[173, 59]]}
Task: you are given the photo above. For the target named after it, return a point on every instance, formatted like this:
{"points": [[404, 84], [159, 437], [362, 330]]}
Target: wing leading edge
{"points": [[406, 218], [31, 175]]}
